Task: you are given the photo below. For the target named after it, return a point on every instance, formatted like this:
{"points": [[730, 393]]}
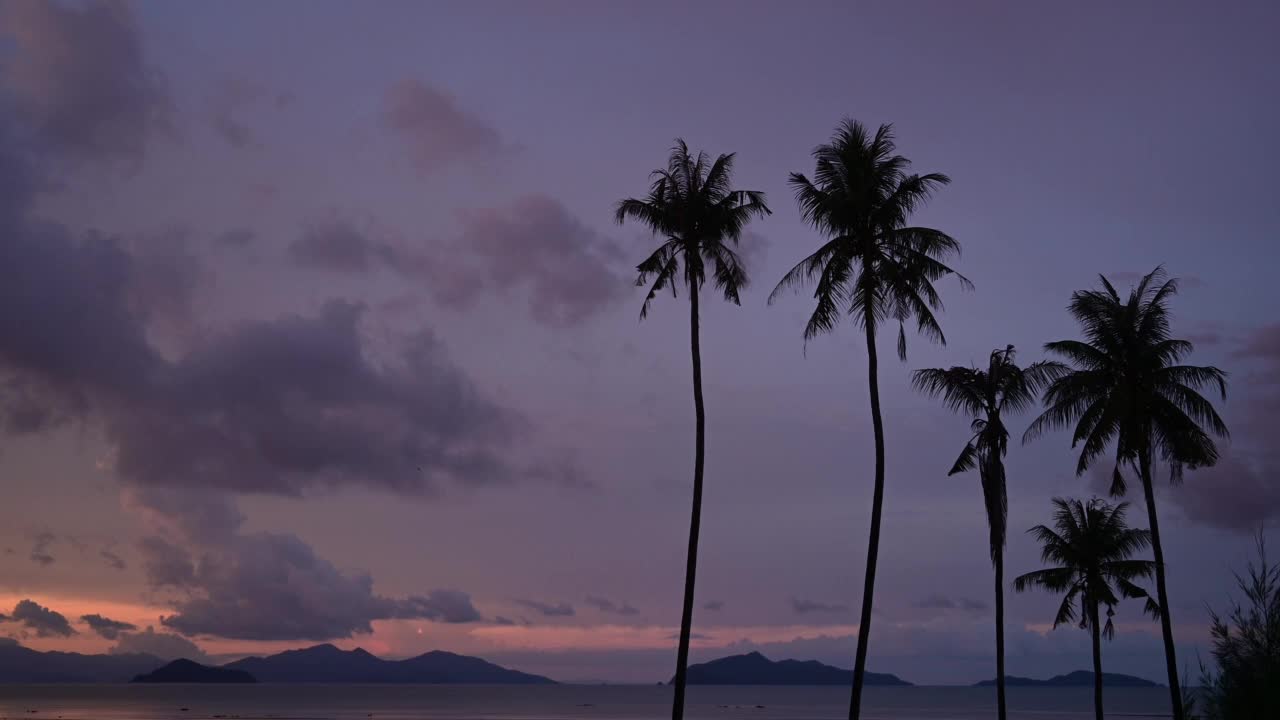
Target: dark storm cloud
{"points": [[437, 132], [261, 585], [447, 606], [281, 405], [40, 549], [166, 564], [269, 586], [713, 605], [562, 609], [79, 78], [605, 605], [1242, 492], [165, 646], [567, 271], [271, 406], [106, 627], [803, 607], [39, 619]]}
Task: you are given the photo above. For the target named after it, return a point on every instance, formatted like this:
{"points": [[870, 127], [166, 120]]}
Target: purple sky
{"points": [[314, 324]]}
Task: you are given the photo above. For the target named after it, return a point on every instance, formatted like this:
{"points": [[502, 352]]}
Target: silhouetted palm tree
{"points": [[986, 396], [1091, 549], [877, 269], [692, 207], [1125, 384]]}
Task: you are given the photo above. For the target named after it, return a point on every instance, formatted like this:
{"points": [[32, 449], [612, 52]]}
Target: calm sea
{"points": [[556, 702]]}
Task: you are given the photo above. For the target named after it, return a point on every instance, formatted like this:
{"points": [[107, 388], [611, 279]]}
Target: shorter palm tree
{"points": [[1091, 546], [987, 396]]}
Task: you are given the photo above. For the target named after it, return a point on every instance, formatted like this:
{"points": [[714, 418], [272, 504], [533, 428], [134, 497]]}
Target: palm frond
{"points": [[691, 205]]}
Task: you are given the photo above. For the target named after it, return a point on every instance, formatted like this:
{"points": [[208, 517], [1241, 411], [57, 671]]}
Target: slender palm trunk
{"points": [[1097, 659], [1162, 596], [1000, 703], [695, 521], [873, 544]]}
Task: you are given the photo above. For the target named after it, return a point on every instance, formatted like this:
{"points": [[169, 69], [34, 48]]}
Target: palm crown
{"points": [[873, 266], [692, 206], [1125, 383], [986, 396], [1091, 547]]}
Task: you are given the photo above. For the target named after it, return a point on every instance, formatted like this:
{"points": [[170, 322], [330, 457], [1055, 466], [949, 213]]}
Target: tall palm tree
{"points": [[875, 267], [692, 207], [1124, 383], [1091, 548], [987, 396]]}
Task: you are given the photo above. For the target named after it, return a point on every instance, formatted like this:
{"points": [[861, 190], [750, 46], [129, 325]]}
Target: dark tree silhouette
{"points": [[693, 209], [987, 396], [877, 269], [1246, 648], [1090, 547], [1124, 384]]}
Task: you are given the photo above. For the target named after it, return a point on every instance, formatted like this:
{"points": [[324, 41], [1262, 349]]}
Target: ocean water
{"points": [[553, 702]]}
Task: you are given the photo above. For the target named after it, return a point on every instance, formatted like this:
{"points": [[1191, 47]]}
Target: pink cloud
{"points": [[436, 130]]}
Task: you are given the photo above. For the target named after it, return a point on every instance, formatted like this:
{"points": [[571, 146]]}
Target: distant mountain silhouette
{"points": [[756, 669], [188, 671], [1079, 678], [23, 665], [328, 664]]}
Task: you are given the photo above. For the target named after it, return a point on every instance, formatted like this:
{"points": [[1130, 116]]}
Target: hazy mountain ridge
{"points": [[20, 664], [329, 664], [1077, 678], [317, 664], [189, 671], [756, 669]]}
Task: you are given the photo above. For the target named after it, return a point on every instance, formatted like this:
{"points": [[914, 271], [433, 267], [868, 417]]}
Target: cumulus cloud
{"points": [[606, 605], [803, 607], [39, 619], [534, 245], [562, 609], [106, 627], [165, 646], [437, 132], [79, 78]]}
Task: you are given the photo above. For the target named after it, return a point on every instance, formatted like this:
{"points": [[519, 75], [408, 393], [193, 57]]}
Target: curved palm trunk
{"points": [[695, 521], [1097, 659], [873, 544], [1000, 702], [1166, 625]]}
